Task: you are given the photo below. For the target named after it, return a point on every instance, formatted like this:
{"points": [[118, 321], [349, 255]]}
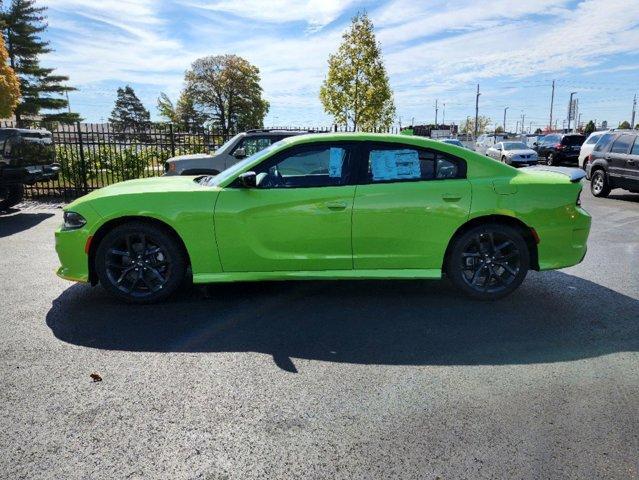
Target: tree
{"points": [[625, 124], [41, 89], [226, 88], [9, 85], [468, 125], [499, 129], [357, 89], [128, 110], [184, 113], [589, 128], [539, 131]]}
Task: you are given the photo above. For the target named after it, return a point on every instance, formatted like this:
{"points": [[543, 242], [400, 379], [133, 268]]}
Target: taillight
{"points": [[559, 146]]}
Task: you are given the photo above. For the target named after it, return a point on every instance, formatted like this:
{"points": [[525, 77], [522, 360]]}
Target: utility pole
{"points": [[436, 110], [570, 110], [523, 122], [444, 114], [517, 126], [552, 102], [68, 102], [634, 110], [530, 128], [505, 109], [477, 111]]}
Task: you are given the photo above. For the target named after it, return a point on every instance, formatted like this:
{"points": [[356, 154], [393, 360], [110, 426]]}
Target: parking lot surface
{"points": [[323, 379]]}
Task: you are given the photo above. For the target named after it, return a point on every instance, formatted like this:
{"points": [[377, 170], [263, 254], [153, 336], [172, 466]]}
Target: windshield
{"points": [[515, 146], [233, 170], [226, 144]]}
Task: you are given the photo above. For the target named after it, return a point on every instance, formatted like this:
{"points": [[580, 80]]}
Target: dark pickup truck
{"points": [[27, 156]]}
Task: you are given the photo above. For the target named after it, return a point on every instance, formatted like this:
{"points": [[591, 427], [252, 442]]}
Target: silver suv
{"points": [[237, 148]]}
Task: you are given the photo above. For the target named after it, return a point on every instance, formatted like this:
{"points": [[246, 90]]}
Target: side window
{"points": [[592, 139], [252, 145], [622, 144], [396, 164], [604, 142], [314, 166], [635, 147]]}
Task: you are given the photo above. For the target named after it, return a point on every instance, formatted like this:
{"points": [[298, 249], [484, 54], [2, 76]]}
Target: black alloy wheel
{"points": [[140, 263], [489, 262]]}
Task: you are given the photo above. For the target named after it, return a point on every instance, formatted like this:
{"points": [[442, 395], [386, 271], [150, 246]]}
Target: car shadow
{"points": [[553, 317], [626, 197], [18, 222]]}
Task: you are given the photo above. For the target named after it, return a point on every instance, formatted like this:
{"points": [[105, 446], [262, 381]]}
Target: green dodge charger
{"points": [[330, 206]]}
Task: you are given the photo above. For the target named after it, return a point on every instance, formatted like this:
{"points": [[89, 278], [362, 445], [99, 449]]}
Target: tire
{"points": [[503, 160], [599, 184], [10, 195], [551, 159], [488, 262], [140, 263]]}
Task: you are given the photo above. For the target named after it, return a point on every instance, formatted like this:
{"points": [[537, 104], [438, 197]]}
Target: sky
{"points": [[433, 50]]}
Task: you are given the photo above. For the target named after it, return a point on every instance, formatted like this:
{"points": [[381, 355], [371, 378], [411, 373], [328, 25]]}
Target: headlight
{"points": [[73, 220]]}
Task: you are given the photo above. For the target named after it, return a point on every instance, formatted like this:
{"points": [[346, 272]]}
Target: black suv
{"points": [[559, 148], [26, 157], [614, 163]]}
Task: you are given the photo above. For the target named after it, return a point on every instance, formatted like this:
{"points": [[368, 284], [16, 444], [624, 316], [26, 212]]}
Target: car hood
{"points": [[144, 185]]}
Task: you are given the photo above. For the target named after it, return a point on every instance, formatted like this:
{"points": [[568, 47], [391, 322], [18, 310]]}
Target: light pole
{"points": [[477, 111], [505, 109], [570, 108]]}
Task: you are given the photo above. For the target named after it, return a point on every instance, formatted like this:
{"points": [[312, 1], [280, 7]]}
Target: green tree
{"points": [[183, 113], [625, 124], [9, 85], [226, 88], [468, 125], [356, 89], [589, 128], [24, 22], [499, 129], [539, 131], [128, 110]]}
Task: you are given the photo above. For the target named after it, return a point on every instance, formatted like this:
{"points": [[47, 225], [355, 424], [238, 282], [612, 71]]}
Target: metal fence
{"points": [[95, 155]]}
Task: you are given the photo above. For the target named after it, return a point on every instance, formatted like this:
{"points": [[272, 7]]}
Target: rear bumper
{"points": [[565, 243]]}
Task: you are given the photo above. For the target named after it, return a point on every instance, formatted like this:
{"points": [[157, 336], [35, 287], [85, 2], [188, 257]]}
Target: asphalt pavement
{"points": [[384, 379]]}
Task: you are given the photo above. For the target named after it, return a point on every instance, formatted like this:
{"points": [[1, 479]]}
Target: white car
{"points": [[516, 154], [588, 146]]}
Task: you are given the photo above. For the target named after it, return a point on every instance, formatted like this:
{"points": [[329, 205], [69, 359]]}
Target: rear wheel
{"points": [[488, 262], [551, 159], [599, 184], [140, 263], [10, 195]]}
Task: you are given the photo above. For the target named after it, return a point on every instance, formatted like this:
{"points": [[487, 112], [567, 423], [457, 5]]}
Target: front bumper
{"points": [[29, 174]]}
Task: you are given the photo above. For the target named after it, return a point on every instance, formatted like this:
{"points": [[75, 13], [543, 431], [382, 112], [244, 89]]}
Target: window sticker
{"points": [[395, 164], [335, 162]]}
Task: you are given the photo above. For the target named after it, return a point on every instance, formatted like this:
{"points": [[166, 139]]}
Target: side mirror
{"points": [[248, 179], [239, 153], [535, 144]]}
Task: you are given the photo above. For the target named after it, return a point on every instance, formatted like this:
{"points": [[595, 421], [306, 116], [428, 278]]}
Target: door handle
{"points": [[336, 205], [451, 197]]}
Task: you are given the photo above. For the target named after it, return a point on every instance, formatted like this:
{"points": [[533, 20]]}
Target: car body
{"points": [[588, 146], [330, 206], [238, 147], [516, 154], [486, 140], [614, 163], [27, 156], [558, 148]]}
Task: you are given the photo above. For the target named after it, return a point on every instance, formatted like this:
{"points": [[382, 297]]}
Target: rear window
{"points": [[592, 139], [604, 142], [622, 144], [573, 140]]}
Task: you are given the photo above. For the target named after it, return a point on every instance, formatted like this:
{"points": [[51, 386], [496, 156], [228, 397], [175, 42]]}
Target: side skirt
{"points": [[432, 274]]}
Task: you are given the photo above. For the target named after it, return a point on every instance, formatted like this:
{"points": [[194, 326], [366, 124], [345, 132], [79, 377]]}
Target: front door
{"points": [[298, 218], [409, 203]]}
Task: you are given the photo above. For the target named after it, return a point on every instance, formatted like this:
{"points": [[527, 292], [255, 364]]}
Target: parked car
{"points": [[485, 141], [330, 206], [26, 157], [557, 148], [614, 163], [588, 146], [516, 154], [237, 148], [452, 141]]}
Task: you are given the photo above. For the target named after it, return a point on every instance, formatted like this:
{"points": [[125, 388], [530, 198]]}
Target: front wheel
{"points": [[10, 195], [140, 263], [551, 159], [488, 262], [599, 184]]}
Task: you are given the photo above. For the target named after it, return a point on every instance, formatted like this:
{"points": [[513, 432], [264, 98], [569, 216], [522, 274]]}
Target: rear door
{"points": [[618, 157], [632, 166], [408, 203]]}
